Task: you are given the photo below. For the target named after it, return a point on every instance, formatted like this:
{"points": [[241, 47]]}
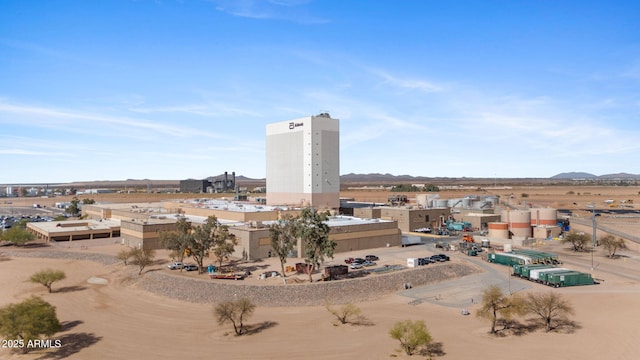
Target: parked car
{"points": [[445, 257], [355, 265], [371, 258], [359, 260], [425, 230], [424, 261], [190, 267], [439, 258], [175, 265], [368, 263]]}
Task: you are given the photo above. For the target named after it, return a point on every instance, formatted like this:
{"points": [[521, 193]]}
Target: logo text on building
{"points": [[293, 125]]}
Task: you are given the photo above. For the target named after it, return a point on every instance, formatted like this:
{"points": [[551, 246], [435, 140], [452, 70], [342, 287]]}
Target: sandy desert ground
{"points": [[118, 320]]}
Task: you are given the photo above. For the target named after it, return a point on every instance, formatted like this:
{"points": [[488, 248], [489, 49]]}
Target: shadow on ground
{"points": [[67, 289], [260, 327], [71, 344]]}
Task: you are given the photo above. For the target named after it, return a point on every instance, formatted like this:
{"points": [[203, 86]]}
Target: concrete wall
{"points": [[367, 288]]}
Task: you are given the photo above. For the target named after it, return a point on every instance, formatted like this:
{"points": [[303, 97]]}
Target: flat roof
{"points": [[217, 204], [53, 227]]}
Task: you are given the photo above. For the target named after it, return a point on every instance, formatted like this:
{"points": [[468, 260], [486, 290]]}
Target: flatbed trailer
{"points": [[227, 276]]}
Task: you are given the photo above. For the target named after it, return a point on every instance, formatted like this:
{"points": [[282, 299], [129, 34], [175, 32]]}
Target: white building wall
{"points": [[303, 162]]}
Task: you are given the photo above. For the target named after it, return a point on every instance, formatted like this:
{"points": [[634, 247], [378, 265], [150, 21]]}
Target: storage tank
{"points": [[422, 200], [439, 203], [492, 199], [544, 216], [498, 230], [519, 222]]}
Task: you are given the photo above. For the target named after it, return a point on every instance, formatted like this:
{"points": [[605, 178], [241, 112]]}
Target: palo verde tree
{"points": [[235, 312], [496, 304], [142, 258], [18, 234], [47, 277], [347, 313], [179, 239], [612, 244], [412, 335], [124, 255], [577, 240], [314, 233], [550, 307], [28, 320], [223, 241], [284, 236]]}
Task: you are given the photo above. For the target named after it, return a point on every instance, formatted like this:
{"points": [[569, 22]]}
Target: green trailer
{"points": [[508, 259], [543, 276], [539, 275], [524, 271], [574, 278], [539, 257]]}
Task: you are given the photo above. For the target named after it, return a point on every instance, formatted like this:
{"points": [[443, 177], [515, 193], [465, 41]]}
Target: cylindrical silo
{"points": [[421, 199], [498, 230], [492, 199], [544, 216], [439, 203], [519, 222]]}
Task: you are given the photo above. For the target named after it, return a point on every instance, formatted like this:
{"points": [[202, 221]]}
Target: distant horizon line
{"points": [[417, 177]]}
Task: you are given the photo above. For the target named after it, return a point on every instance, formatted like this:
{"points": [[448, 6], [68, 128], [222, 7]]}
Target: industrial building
{"points": [[303, 169], [217, 184], [194, 186], [74, 230], [303, 162], [141, 225], [409, 218]]}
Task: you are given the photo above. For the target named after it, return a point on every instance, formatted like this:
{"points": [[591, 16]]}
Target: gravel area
{"points": [[64, 255]]}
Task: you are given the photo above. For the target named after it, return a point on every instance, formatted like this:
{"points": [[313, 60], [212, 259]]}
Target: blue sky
{"points": [[110, 90]]}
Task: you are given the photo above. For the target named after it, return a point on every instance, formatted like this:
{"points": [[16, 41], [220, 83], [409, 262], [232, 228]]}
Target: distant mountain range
{"points": [[587, 176], [364, 179]]}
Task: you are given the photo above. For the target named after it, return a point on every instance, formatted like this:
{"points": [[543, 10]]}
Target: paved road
{"points": [[461, 292]]}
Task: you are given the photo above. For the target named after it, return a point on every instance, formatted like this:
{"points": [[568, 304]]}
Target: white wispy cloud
{"points": [[286, 10], [54, 117], [31, 152], [208, 110], [407, 83]]}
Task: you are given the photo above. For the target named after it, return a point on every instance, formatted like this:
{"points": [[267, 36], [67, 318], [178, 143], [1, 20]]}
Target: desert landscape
{"points": [[120, 319]]}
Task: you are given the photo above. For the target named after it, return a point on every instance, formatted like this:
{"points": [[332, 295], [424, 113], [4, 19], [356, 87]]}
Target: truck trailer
{"points": [[574, 278]]}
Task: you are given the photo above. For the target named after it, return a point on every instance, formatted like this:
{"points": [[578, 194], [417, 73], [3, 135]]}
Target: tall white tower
{"points": [[303, 162]]}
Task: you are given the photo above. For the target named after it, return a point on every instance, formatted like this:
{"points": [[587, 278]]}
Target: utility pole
{"points": [[594, 240]]}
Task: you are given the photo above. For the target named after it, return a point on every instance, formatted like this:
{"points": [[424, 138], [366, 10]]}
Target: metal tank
{"points": [[422, 200], [439, 203], [544, 216], [499, 230], [519, 223]]}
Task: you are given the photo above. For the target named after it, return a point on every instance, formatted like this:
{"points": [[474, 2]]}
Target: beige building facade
{"points": [[409, 218]]}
